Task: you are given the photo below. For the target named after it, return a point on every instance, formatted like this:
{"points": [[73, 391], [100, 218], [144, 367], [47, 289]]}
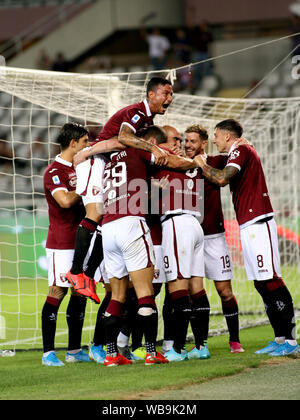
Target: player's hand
{"points": [[79, 157], [160, 155], [200, 160], [177, 150], [242, 141]]}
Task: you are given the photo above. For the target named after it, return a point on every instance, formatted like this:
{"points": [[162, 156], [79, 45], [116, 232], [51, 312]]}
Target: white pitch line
{"points": [[28, 340]]}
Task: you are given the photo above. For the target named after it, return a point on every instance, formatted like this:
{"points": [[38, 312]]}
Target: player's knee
{"points": [[224, 291], [225, 294]]}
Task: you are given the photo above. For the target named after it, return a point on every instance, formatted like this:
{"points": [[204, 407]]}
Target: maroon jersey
{"points": [[183, 194], [136, 116], [213, 222], [125, 187], [61, 175], [249, 189]]}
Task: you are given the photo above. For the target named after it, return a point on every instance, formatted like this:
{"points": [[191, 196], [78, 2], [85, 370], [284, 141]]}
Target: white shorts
{"points": [[127, 246], [217, 258], [159, 272], [260, 250], [183, 247], [90, 180], [159, 269], [101, 275], [59, 263]]}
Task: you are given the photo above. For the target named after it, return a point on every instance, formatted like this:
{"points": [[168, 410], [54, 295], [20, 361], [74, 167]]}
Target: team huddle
{"points": [[140, 211]]}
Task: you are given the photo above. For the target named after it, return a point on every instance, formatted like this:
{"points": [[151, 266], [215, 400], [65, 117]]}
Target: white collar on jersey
{"points": [[232, 148], [63, 161], [147, 108]]}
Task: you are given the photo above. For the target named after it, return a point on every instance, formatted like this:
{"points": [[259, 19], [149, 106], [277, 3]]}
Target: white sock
{"points": [[167, 345], [280, 340], [123, 340]]}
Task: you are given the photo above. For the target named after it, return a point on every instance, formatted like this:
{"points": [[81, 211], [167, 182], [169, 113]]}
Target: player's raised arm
{"points": [[129, 139], [221, 177], [105, 146]]}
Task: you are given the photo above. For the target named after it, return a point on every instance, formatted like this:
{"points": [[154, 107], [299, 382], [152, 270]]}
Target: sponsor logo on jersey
{"points": [[56, 180], [135, 118], [111, 195], [52, 170]]}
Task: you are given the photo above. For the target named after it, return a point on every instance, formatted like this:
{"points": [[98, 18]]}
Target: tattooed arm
{"points": [[181, 163], [127, 138], [221, 177]]}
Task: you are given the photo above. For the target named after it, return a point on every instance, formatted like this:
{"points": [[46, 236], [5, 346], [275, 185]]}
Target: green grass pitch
{"points": [[23, 377]]}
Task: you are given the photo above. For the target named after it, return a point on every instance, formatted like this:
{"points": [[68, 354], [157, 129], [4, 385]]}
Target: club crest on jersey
{"points": [[73, 182], [56, 180], [234, 154], [135, 118], [96, 190], [156, 273], [62, 277]]}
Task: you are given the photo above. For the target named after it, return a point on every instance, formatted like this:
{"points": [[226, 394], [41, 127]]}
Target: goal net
{"points": [[35, 104]]}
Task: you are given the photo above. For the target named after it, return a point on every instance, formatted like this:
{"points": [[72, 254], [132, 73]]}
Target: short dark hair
{"points": [[68, 132], [153, 131], [197, 128], [155, 82], [231, 125]]}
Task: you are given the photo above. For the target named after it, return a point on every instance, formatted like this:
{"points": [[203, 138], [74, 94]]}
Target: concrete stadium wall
{"points": [[99, 21], [242, 68]]}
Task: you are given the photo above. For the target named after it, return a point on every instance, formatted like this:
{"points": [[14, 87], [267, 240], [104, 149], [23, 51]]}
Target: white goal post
{"points": [[35, 104]]}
